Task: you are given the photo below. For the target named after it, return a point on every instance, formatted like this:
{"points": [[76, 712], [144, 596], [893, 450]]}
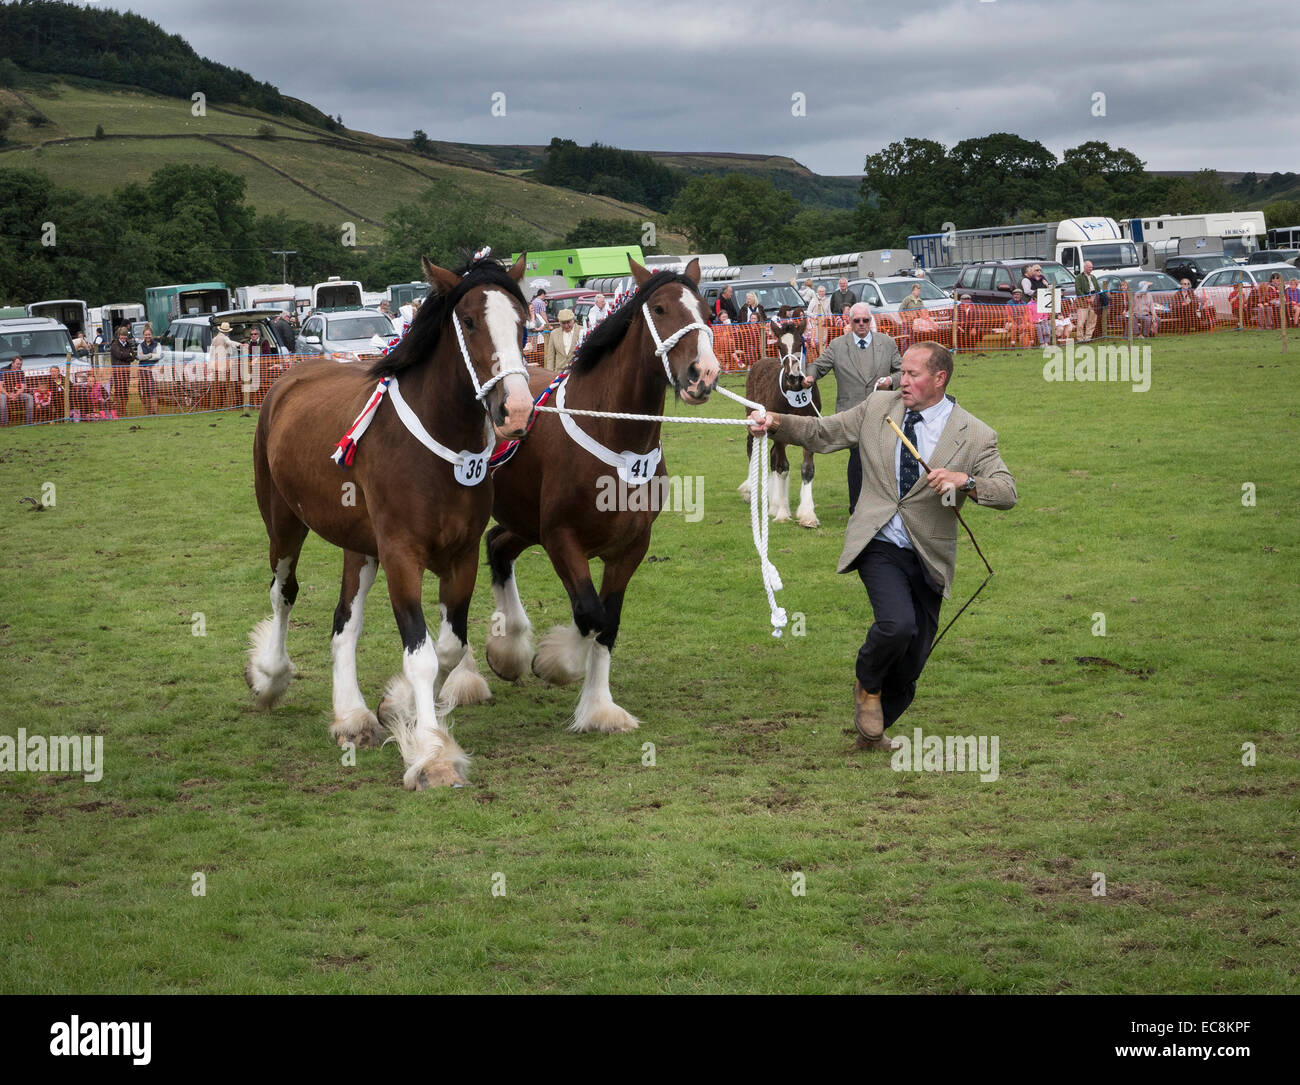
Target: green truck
{"points": [[576, 266], [164, 303]]}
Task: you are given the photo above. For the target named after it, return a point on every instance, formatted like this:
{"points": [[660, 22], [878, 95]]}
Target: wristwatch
{"points": [[968, 485]]}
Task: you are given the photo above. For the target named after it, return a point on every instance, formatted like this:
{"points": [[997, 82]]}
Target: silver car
{"points": [[347, 336], [1216, 288], [41, 342]]}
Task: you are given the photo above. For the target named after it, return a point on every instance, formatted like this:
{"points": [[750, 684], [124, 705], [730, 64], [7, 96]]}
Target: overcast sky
{"points": [[1187, 85]]}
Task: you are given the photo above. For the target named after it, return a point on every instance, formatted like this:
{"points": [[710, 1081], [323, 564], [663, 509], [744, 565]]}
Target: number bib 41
{"points": [[471, 467], [639, 467], [798, 397]]}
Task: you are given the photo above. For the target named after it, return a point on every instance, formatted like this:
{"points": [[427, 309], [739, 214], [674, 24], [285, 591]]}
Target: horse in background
{"points": [[777, 383], [556, 489], [414, 495]]}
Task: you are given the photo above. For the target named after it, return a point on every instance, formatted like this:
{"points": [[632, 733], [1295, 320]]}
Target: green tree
{"points": [[736, 214], [420, 142]]}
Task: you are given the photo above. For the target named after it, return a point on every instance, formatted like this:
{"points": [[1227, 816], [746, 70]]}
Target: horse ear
{"points": [[517, 269], [693, 271], [442, 280], [640, 274]]}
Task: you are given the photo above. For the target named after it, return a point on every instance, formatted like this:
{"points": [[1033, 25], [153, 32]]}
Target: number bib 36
{"points": [[471, 468]]}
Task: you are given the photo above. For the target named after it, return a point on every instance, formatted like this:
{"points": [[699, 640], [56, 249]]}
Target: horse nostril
{"points": [[694, 372]]}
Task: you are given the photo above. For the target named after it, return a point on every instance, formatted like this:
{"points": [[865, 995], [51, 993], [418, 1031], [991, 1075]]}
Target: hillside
{"points": [[289, 166]]}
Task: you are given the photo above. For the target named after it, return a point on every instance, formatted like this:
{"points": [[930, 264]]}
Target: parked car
{"points": [[945, 278], [42, 343], [1216, 288], [886, 297], [1273, 256], [771, 296], [990, 282], [1156, 281], [1195, 268], [346, 336]]}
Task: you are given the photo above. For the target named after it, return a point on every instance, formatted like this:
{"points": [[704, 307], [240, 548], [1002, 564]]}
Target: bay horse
{"points": [[777, 383], [551, 491], [401, 502]]}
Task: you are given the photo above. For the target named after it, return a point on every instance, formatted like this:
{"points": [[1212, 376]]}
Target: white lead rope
{"points": [[758, 484]]}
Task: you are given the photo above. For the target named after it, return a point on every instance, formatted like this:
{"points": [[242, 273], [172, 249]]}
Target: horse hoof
{"points": [[606, 719], [509, 657], [359, 727], [809, 521], [743, 490], [781, 518], [441, 773], [465, 685], [561, 658]]}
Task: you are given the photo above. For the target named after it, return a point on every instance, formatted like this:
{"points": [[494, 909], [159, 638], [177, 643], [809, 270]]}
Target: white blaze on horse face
{"points": [[709, 370], [502, 318]]}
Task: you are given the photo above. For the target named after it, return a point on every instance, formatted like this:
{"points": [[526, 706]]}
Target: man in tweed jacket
{"points": [[902, 537], [863, 360]]}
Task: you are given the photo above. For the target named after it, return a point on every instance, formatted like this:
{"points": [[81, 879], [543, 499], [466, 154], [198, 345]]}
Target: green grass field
{"points": [[618, 876]]}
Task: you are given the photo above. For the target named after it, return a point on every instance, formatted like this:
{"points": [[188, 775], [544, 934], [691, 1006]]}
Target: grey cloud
{"points": [[1187, 86]]}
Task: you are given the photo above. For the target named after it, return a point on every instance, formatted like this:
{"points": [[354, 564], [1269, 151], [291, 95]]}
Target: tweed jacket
{"points": [[554, 357], [856, 370], [966, 444]]}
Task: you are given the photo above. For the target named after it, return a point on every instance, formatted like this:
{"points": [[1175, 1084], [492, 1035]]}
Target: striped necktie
{"points": [[908, 469]]}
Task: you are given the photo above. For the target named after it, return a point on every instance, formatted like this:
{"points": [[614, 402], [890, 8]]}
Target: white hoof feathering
{"points": [[465, 685], [358, 726], [596, 709], [561, 658], [805, 514], [509, 646], [432, 759], [743, 490], [268, 671]]}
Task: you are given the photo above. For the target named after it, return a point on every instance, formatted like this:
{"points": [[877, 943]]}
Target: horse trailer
{"points": [[69, 312], [163, 304], [400, 294], [1238, 230]]}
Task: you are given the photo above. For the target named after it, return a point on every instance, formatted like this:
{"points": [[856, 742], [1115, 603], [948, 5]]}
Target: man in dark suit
{"points": [[843, 298], [863, 360], [902, 539]]}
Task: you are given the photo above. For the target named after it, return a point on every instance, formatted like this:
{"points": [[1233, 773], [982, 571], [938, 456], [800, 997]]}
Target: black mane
{"points": [[610, 332], [420, 342]]}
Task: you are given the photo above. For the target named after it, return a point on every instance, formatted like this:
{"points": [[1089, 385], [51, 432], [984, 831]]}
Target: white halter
{"points": [[634, 468], [481, 390], [663, 346]]}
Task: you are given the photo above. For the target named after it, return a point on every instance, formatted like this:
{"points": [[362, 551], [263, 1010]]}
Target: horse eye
{"points": [[469, 322], [659, 309]]}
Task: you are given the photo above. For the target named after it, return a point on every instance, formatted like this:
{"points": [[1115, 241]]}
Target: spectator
{"points": [[598, 312], [1144, 310], [148, 354], [863, 360], [80, 348], [121, 355], [287, 332], [13, 389], [819, 318], [258, 345], [1020, 320], [99, 342], [752, 313], [220, 354], [538, 308], [1270, 301], [1031, 284], [843, 298], [1292, 294], [726, 302], [386, 309], [1087, 302], [1117, 310], [1185, 307], [561, 343], [968, 330], [806, 291], [722, 318], [913, 300]]}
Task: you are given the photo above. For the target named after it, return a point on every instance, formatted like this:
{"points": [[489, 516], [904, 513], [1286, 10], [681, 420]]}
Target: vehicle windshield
{"points": [[1118, 254], [771, 296], [1209, 263], [50, 343], [944, 278], [1057, 275], [360, 327], [1155, 280], [1285, 272], [1239, 247], [897, 292]]}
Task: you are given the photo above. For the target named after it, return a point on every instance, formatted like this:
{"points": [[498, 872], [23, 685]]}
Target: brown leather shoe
{"points": [[868, 718]]}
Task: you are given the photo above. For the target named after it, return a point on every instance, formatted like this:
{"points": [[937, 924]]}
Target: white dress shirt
{"points": [[928, 430]]}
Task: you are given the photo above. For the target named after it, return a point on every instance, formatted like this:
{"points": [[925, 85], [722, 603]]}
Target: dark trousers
{"points": [[906, 610], [855, 478]]}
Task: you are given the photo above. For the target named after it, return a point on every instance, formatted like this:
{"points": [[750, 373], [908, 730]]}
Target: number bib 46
{"points": [[639, 467], [798, 397], [471, 468]]}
